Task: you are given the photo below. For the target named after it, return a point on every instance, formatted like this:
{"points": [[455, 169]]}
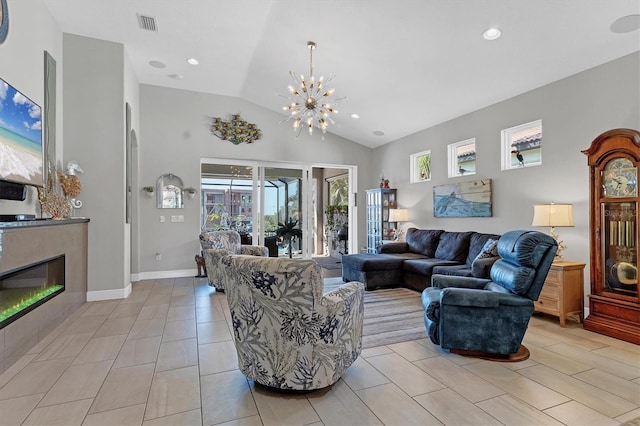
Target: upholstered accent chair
{"points": [[218, 244], [288, 334], [490, 316]]}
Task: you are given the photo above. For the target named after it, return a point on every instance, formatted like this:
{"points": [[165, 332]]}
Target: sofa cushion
{"points": [[394, 247], [477, 242], [423, 241], [424, 266], [457, 270], [516, 279], [372, 262], [453, 246]]}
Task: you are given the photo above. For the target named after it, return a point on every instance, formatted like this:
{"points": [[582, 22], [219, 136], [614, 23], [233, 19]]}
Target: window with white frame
{"points": [[462, 158], [522, 146], [420, 167]]}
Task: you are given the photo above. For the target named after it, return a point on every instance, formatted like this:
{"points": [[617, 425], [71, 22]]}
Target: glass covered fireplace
{"points": [[25, 288]]}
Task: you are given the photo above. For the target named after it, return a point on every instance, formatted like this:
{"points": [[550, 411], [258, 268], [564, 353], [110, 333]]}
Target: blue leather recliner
{"points": [[491, 315]]}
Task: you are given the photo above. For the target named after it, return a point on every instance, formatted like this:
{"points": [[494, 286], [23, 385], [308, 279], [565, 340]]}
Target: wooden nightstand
{"points": [[563, 291]]}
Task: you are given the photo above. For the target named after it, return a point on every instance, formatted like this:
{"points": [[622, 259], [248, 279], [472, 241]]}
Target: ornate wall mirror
{"points": [[169, 192]]}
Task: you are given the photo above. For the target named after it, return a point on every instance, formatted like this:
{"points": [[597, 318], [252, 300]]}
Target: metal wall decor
{"points": [[235, 130]]}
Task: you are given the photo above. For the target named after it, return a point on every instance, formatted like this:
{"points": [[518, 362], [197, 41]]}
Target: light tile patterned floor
{"points": [[165, 356]]}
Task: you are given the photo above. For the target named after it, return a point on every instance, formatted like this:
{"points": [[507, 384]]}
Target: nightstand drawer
{"points": [[550, 289], [548, 303], [553, 277]]}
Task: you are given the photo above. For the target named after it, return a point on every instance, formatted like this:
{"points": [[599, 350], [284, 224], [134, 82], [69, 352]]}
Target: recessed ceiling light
{"points": [[626, 24], [492, 33], [355, 116], [193, 61], [378, 132], [157, 64], [176, 76]]}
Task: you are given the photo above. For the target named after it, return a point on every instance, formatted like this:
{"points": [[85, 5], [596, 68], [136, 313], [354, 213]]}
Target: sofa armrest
{"points": [[214, 254], [444, 281], [254, 250], [342, 313], [481, 268], [212, 259], [395, 247], [481, 298], [345, 291]]}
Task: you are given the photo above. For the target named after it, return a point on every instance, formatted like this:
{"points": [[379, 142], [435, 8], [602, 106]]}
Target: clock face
{"points": [[620, 179]]}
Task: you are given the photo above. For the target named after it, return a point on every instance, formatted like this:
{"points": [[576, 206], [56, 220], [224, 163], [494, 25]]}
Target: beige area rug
{"points": [[391, 315]]}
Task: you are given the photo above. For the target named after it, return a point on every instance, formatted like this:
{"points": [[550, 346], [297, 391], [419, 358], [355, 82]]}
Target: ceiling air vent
{"points": [[147, 22]]}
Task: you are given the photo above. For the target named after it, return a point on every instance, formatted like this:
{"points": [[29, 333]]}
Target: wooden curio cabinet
{"points": [[379, 202], [614, 304]]}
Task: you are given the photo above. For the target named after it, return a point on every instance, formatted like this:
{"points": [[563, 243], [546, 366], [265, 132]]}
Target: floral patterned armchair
{"points": [[218, 244], [288, 335]]}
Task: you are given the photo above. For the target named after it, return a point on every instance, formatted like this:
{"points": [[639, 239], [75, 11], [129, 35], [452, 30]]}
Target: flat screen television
{"points": [[21, 151]]}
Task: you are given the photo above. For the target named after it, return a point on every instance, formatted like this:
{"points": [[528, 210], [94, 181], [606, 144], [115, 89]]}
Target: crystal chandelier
{"points": [[311, 104]]}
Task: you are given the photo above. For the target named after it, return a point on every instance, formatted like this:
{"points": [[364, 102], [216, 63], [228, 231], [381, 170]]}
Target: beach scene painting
{"points": [[20, 137], [464, 199]]}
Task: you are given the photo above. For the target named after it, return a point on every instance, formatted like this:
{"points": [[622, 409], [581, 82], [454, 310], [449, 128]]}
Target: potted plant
{"points": [[336, 218], [288, 232]]}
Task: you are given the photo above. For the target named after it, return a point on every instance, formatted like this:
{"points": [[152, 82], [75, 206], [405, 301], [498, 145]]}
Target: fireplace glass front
{"points": [[25, 288]]}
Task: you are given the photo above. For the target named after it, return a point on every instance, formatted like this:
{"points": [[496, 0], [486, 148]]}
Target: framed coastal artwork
{"points": [[522, 146], [420, 167], [463, 199], [462, 158]]}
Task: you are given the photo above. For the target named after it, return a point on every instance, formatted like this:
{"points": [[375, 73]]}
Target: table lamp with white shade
{"points": [[553, 215], [399, 215]]}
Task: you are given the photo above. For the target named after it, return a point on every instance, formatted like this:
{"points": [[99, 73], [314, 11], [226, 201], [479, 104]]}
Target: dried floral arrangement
{"points": [[54, 204], [70, 184]]}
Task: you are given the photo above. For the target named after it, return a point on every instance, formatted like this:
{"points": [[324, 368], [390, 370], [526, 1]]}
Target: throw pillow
{"points": [[490, 249]]}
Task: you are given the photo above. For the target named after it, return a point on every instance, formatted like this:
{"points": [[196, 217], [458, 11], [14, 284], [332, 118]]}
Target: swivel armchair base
{"points": [[521, 355]]}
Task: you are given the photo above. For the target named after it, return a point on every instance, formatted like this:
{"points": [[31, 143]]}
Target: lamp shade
{"points": [[552, 215], [398, 215]]}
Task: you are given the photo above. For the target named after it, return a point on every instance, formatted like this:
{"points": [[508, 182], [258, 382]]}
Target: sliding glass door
{"points": [[265, 204], [281, 205]]}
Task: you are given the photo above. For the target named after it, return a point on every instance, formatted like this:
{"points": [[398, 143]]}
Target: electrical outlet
{"points": [[174, 218], [161, 219], [180, 218], [158, 256]]}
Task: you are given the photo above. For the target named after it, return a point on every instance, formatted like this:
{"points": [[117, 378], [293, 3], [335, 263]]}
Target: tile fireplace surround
{"points": [[28, 242]]}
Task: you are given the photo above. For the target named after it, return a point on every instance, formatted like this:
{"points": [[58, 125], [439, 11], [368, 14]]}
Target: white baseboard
{"points": [[156, 275], [119, 293]]}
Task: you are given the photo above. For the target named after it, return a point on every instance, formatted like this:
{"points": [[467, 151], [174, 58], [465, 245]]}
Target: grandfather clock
{"points": [[614, 304]]}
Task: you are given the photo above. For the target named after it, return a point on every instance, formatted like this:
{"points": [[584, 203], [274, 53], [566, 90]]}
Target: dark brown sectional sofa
{"points": [[425, 252]]}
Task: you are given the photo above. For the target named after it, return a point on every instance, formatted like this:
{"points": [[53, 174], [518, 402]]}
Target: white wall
{"points": [[132, 97], [94, 120], [573, 111], [175, 136], [31, 32]]}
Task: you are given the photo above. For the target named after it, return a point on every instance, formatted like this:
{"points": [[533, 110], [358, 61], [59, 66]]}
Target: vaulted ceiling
{"points": [[404, 65]]}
